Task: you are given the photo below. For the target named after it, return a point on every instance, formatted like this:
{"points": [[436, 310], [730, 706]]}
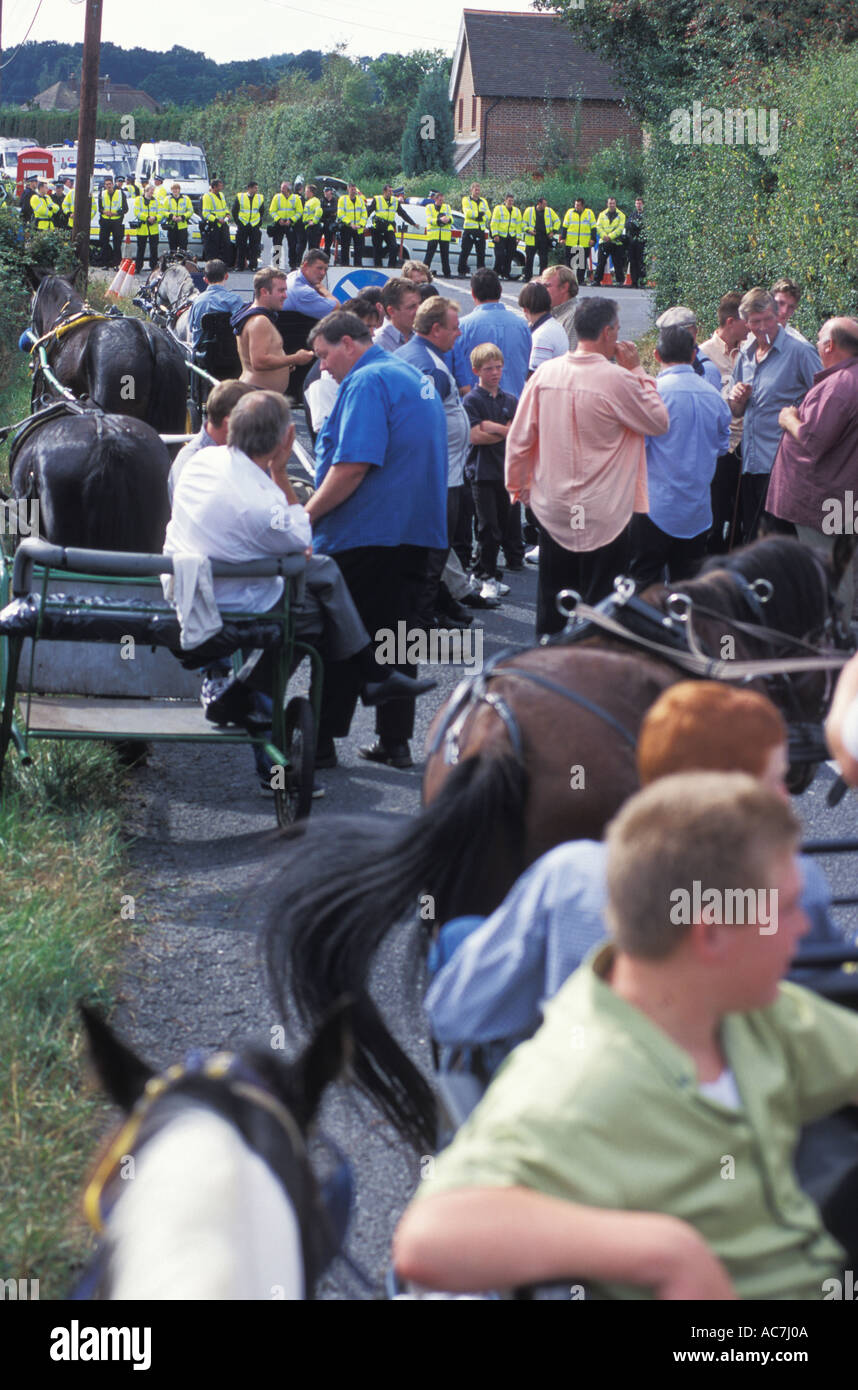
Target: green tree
{"points": [[427, 140]]}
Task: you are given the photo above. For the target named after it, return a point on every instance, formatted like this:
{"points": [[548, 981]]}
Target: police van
{"points": [[175, 163]]}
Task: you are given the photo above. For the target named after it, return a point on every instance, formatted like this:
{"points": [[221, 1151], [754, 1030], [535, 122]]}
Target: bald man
{"points": [[814, 482]]}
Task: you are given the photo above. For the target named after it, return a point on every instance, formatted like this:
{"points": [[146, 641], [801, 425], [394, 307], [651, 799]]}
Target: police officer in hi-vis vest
{"points": [[474, 229], [383, 207], [312, 218], [439, 230], [112, 208], [146, 226], [215, 213], [352, 217], [178, 211], [286, 211], [247, 214]]}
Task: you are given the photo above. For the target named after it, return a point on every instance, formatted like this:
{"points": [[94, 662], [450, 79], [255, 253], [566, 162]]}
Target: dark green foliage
{"points": [[427, 140]]}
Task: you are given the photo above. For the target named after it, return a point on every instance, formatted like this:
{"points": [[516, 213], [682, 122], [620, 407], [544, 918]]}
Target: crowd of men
{"points": [[303, 217]]}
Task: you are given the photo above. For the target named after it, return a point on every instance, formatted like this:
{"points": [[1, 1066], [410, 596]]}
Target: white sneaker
{"points": [[501, 587], [531, 556], [490, 589]]}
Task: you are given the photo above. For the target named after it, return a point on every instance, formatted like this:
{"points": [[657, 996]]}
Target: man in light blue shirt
{"points": [[216, 299], [773, 369], [680, 466], [492, 322], [306, 291]]}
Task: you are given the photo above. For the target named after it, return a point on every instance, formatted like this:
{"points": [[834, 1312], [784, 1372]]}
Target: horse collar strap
{"points": [[223, 1066], [60, 330]]}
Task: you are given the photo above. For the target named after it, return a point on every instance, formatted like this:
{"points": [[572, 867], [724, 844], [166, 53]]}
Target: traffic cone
{"points": [[628, 280], [127, 287], [607, 278], [117, 282]]}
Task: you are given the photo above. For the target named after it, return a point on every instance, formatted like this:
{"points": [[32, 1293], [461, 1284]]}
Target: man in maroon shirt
{"points": [[814, 481]]}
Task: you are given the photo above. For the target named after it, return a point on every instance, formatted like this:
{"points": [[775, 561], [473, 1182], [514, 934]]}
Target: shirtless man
{"points": [[264, 361]]}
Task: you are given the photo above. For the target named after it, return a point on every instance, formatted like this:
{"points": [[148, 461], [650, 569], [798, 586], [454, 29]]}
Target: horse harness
{"points": [[216, 1082], [669, 637]]}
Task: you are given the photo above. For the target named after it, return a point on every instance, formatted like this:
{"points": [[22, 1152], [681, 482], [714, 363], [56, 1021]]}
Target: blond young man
{"points": [[264, 360], [597, 1153]]}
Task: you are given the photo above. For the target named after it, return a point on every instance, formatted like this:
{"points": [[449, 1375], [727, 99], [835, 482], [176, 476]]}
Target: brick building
{"points": [[112, 96], [524, 92]]}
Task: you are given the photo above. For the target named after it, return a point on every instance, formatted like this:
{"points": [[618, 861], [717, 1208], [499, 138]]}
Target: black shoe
{"points": [[392, 755], [231, 705], [396, 687], [476, 600], [326, 754], [516, 568], [453, 610]]}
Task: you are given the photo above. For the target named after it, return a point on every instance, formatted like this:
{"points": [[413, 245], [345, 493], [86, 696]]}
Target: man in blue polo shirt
{"points": [[492, 322], [380, 504], [680, 466], [306, 290]]}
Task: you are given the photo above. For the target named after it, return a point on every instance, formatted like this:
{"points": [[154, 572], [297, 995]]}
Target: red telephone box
{"points": [[33, 161]]}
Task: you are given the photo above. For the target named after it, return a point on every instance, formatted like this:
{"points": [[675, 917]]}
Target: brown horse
{"points": [[540, 750]]}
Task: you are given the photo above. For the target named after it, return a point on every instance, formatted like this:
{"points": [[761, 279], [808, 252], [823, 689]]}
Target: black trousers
{"points": [[471, 240], [617, 252], [427, 595], [384, 238], [444, 247], [142, 243], [654, 551], [462, 539], [384, 582], [541, 249], [314, 236], [504, 248], [350, 238], [752, 504], [177, 238], [590, 572], [248, 244], [110, 234], [216, 243], [498, 525], [296, 240], [637, 268], [723, 490], [576, 258]]}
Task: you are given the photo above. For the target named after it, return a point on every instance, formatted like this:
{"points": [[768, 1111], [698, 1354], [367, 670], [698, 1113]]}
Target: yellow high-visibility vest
{"points": [[250, 209], [477, 214], [579, 227], [506, 221], [528, 224]]}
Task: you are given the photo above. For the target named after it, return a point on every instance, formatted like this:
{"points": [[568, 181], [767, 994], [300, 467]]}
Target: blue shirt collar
{"points": [[682, 367]]}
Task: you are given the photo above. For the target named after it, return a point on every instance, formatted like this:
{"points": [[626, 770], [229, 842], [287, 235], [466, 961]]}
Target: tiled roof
{"points": [[533, 55]]}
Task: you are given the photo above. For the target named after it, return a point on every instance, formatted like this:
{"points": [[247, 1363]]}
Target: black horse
{"points": [[124, 365], [100, 480]]}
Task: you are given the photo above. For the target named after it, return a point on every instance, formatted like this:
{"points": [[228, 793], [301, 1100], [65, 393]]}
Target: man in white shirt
{"points": [[236, 503], [221, 401]]}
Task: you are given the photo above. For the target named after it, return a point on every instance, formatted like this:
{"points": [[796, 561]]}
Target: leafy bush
{"points": [[727, 217]]}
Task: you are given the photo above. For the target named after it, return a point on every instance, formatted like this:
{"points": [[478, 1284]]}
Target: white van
{"points": [[9, 150], [181, 164]]}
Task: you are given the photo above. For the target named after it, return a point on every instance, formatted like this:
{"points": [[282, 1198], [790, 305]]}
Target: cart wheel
{"points": [[294, 801]]}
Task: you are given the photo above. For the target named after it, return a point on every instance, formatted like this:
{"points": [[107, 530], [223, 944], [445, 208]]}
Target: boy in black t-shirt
{"points": [[490, 412]]}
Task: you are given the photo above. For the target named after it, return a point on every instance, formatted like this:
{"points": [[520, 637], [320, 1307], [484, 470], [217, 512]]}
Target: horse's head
{"points": [[244, 1118], [788, 590], [53, 298]]}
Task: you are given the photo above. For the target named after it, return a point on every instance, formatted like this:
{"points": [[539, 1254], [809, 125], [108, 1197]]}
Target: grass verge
{"points": [[61, 939]]}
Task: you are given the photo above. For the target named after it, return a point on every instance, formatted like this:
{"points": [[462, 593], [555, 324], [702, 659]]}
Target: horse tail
{"points": [[167, 407], [347, 880]]}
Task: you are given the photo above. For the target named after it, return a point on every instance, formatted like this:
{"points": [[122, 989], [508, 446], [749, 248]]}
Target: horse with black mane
{"points": [[537, 749], [225, 1203], [124, 365], [100, 480]]}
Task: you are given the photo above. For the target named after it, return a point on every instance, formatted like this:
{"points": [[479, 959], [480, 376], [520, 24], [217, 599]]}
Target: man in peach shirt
{"points": [[576, 455]]}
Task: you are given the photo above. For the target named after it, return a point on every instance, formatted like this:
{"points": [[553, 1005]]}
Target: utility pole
{"points": [[1, 48], [86, 132]]}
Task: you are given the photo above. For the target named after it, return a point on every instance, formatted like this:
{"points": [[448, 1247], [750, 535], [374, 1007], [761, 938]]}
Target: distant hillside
{"points": [[179, 77]]}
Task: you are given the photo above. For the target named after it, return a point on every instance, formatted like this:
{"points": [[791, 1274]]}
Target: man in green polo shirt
{"points": [[642, 1142]]}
